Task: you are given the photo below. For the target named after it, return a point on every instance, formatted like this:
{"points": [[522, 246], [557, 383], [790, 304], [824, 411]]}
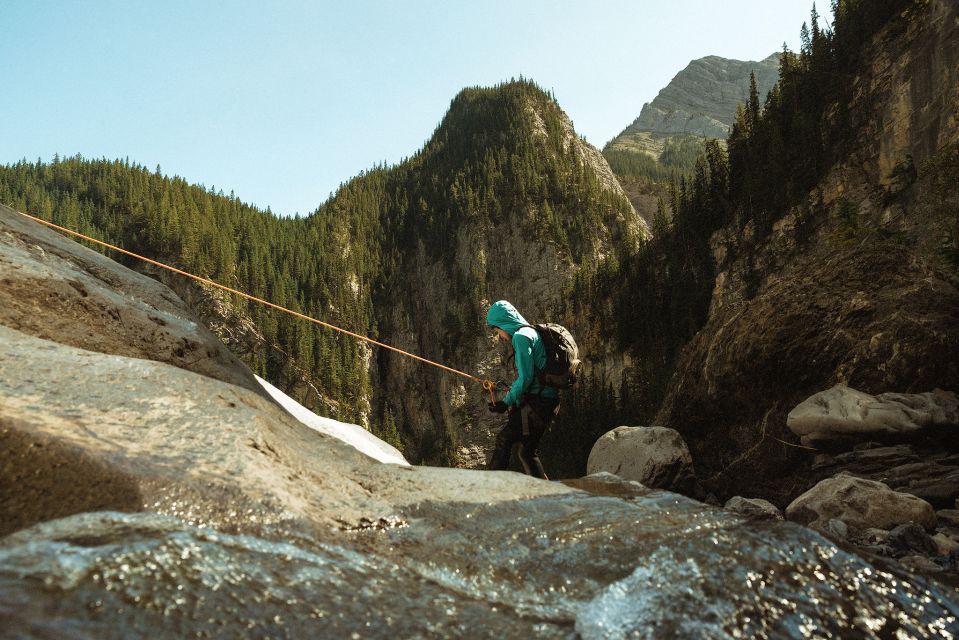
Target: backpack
{"points": [[562, 355]]}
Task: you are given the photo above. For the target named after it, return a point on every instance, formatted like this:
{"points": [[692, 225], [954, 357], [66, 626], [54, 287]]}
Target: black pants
{"points": [[523, 430]]}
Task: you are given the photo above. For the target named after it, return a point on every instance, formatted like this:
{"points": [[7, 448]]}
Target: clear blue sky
{"points": [[282, 101]]}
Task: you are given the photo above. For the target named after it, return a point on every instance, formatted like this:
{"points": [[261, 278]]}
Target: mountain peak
{"points": [[700, 100]]}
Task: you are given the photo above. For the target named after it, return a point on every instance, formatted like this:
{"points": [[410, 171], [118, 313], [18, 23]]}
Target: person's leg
{"points": [[518, 454], [529, 457], [537, 422], [509, 435]]}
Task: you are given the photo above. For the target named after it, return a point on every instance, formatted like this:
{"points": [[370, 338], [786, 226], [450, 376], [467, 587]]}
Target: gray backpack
{"points": [[562, 355]]}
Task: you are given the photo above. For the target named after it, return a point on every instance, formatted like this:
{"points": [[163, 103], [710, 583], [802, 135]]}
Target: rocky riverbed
{"points": [[884, 478]]}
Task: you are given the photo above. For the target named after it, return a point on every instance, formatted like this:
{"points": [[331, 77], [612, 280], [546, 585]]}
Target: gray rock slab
{"points": [[60, 290], [842, 412], [656, 457], [84, 431]]}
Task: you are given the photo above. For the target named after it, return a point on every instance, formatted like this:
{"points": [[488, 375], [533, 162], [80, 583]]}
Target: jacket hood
{"points": [[505, 316]]}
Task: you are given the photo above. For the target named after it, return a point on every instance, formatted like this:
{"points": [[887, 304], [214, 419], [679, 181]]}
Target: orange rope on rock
{"points": [[487, 384]]}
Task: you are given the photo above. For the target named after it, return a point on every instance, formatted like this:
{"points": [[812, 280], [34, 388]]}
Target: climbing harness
{"points": [[488, 385]]}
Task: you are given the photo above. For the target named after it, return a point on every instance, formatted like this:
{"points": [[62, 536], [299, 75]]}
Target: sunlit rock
{"points": [[60, 290], [653, 456], [607, 484], [862, 504], [844, 413]]}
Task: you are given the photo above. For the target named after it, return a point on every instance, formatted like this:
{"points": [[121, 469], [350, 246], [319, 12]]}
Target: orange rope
{"points": [[487, 384]]}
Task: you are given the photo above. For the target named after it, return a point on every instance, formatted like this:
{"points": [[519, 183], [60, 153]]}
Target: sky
{"points": [[282, 101]]}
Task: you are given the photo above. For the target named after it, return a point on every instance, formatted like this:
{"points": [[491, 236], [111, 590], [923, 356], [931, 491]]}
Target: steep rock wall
{"points": [[850, 287], [439, 311]]}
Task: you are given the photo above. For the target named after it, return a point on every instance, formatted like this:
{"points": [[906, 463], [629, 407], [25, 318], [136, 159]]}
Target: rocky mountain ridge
{"points": [[699, 101]]}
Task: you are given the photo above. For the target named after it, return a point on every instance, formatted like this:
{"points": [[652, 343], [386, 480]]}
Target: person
{"points": [[530, 404]]}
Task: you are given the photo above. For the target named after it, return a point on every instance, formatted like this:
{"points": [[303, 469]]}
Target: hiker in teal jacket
{"points": [[531, 404]]}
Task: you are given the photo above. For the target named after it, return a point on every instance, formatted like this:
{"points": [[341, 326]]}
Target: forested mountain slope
{"points": [[503, 201]]}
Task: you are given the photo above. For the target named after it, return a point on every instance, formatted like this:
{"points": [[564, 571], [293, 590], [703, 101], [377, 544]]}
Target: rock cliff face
{"points": [[852, 287], [438, 308], [699, 101]]}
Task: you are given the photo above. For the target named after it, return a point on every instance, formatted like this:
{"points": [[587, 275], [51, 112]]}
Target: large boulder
{"points": [[656, 457], [841, 413], [861, 504]]}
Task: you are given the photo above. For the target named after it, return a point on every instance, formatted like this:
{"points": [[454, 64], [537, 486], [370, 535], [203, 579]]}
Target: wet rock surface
{"points": [[647, 567]]}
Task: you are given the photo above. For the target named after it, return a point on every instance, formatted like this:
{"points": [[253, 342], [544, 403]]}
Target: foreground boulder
{"points": [[841, 413], [656, 457], [862, 504]]}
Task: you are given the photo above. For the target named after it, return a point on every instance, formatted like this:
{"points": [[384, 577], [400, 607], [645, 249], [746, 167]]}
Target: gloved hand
{"points": [[498, 407]]}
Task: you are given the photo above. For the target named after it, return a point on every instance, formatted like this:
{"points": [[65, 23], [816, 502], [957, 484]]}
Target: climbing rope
{"points": [[797, 446], [488, 385]]}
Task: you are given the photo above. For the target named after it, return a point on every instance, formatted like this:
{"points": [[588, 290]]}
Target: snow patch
{"points": [[353, 435]]}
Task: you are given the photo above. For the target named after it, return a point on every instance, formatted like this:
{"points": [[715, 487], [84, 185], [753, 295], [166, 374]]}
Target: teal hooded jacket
{"points": [[530, 354]]}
